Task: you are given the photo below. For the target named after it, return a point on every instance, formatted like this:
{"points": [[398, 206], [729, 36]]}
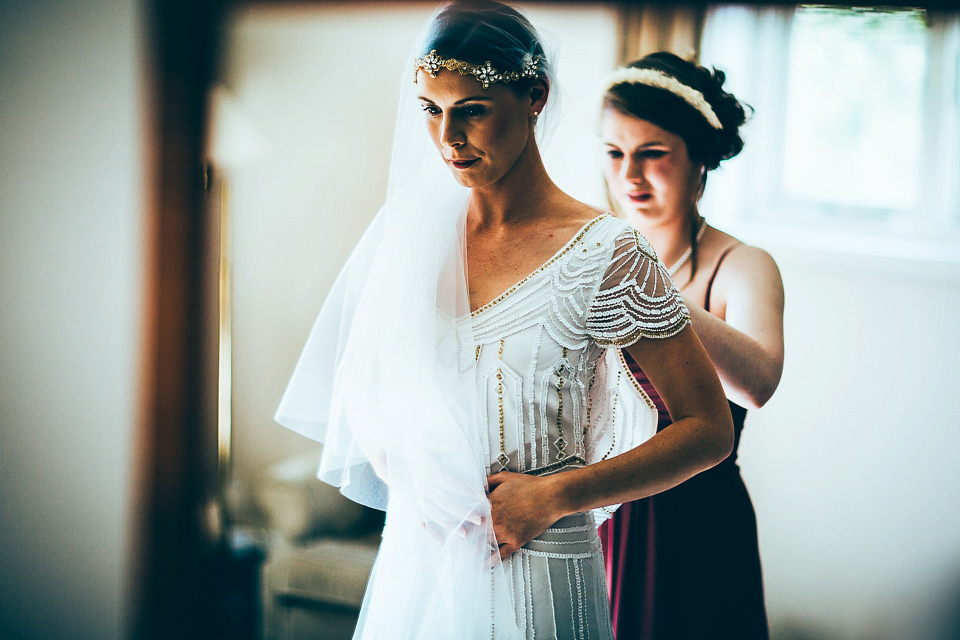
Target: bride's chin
{"points": [[460, 179], [471, 182]]}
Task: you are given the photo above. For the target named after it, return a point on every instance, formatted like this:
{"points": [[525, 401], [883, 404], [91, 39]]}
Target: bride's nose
{"points": [[451, 132]]}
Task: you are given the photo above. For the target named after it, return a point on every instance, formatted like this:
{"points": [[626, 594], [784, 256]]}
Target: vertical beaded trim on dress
{"points": [[613, 418], [560, 442], [593, 379], [503, 459]]}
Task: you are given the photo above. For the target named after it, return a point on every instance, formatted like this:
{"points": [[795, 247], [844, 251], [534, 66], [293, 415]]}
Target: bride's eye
{"points": [[615, 153], [431, 109], [472, 111]]}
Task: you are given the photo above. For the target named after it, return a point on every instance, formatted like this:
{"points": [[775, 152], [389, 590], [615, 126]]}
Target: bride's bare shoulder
{"points": [[579, 212]]}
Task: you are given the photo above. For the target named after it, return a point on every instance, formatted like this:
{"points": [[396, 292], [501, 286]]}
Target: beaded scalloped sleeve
{"points": [[636, 298]]}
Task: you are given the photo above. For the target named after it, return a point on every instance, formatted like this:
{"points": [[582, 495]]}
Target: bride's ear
{"points": [[539, 92]]}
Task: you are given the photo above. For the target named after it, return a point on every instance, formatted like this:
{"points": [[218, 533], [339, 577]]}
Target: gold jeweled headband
{"points": [[485, 73], [661, 80]]}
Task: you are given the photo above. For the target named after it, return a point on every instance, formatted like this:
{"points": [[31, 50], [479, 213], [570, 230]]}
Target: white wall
{"points": [[852, 465], [70, 296]]}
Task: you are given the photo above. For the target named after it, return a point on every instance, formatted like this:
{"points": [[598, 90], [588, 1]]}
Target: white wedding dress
{"points": [[415, 408], [555, 395]]}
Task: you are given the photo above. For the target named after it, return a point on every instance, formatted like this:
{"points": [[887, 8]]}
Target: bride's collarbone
{"points": [[513, 256], [494, 269], [497, 260], [526, 244]]}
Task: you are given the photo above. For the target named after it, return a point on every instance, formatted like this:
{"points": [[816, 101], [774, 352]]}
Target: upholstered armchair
{"points": [[322, 548]]}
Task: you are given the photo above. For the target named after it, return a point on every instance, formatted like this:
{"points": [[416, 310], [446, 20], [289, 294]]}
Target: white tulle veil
{"points": [[386, 383]]}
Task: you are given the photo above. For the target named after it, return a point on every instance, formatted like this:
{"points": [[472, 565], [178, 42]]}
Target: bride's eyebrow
{"points": [[461, 100]]}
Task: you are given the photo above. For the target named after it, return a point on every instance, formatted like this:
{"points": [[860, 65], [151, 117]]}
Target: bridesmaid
{"points": [[685, 564]]}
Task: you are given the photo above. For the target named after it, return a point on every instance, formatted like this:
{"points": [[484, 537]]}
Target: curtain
{"points": [[646, 28]]}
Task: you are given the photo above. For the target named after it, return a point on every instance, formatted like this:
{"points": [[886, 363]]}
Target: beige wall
{"points": [[71, 201], [313, 95], [318, 102]]}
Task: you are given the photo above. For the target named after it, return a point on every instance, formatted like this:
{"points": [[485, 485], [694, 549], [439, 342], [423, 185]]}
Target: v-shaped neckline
{"points": [[556, 256]]}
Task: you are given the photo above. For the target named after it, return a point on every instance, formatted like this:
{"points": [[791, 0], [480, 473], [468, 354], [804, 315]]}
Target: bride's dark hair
{"points": [[477, 32]]}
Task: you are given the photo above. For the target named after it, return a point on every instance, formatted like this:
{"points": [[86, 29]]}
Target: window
{"points": [[857, 123], [854, 103]]}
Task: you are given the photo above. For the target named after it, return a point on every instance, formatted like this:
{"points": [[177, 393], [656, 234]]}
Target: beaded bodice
{"points": [[552, 394]]}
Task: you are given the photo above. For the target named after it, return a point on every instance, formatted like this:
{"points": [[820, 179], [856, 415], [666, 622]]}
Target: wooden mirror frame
{"points": [[177, 489]]}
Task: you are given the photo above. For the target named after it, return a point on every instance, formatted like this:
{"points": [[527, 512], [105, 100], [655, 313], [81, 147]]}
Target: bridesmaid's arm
{"points": [[746, 346], [700, 437]]}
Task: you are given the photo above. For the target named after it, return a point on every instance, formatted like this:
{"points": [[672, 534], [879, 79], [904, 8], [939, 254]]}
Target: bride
{"points": [[465, 372]]}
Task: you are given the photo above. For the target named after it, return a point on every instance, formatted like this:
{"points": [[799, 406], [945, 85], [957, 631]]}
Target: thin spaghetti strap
{"points": [[713, 276]]}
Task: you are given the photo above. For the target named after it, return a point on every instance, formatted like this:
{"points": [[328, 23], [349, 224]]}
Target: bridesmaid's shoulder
{"points": [[744, 263]]}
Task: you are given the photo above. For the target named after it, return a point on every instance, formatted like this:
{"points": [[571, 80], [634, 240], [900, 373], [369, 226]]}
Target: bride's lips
{"points": [[463, 164], [639, 196]]}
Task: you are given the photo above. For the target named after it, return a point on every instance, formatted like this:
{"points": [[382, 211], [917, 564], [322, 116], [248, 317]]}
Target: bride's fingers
{"points": [[440, 530], [473, 521], [440, 533], [475, 518]]}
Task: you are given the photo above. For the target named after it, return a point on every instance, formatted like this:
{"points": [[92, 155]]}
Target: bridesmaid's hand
{"points": [[522, 507]]}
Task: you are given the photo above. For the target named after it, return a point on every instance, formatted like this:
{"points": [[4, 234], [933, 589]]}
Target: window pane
{"points": [[855, 93]]}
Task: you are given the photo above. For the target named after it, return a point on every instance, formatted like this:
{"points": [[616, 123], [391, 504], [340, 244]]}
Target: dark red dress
{"points": [[685, 564]]}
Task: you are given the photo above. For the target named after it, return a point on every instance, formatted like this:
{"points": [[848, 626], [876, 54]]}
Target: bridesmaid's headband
{"points": [[661, 80]]}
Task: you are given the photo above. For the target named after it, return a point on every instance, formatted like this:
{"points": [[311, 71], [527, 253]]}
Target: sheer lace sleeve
{"points": [[636, 297]]}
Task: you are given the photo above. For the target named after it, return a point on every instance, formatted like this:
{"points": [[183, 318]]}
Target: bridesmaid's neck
{"points": [[670, 238]]}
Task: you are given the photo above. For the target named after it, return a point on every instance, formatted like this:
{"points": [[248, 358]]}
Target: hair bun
{"points": [[730, 111]]}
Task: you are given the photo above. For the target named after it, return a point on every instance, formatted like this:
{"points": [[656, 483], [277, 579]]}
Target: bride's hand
{"points": [[440, 531], [522, 508]]}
